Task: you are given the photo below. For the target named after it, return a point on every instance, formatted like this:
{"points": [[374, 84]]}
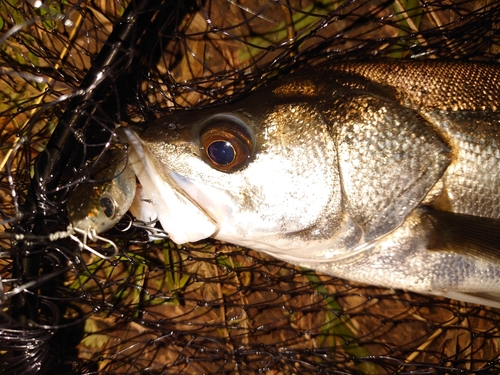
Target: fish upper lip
{"points": [[188, 188], [182, 184]]}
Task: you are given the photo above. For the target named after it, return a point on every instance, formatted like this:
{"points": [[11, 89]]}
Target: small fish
{"points": [[97, 206], [386, 173]]}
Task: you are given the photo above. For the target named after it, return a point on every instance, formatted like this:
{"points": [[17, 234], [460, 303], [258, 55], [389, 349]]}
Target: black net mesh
{"points": [[204, 308]]}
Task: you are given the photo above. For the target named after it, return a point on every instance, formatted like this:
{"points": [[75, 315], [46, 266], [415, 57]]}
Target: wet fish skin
{"points": [[354, 170], [462, 102]]}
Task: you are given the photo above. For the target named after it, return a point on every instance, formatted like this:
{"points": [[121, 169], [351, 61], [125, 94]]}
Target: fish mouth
{"points": [[179, 214]]}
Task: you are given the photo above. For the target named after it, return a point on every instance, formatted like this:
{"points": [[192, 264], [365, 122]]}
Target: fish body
{"points": [[386, 173]]}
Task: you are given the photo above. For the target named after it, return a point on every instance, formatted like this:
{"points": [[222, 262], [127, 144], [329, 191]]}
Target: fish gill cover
{"points": [[72, 71]]}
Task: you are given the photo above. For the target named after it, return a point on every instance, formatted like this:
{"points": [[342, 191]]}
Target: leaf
{"points": [[94, 340]]}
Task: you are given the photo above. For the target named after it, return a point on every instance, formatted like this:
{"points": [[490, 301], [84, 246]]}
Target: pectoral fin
{"points": [[474, 236]]}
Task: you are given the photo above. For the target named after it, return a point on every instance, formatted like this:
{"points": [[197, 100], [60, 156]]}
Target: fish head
{"points": [[304, 169], [266, 175]]}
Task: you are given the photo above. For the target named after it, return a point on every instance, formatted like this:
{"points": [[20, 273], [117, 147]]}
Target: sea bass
{"points": [[386, 173]]}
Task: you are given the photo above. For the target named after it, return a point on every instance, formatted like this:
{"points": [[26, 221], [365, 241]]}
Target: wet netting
{"points": [[132, 302]]}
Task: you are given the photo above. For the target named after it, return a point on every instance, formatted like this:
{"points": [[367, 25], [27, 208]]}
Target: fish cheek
{"points": [[294, 176]]}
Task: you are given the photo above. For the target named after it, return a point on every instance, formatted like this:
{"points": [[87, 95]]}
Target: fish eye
{"points": [[108, 207], [226, 144], [221, 152]]}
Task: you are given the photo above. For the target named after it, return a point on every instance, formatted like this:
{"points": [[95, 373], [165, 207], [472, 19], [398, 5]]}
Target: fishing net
{"points": [[71, 72]]}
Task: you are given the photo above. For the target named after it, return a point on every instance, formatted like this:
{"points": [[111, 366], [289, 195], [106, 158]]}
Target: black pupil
{"points": [[221, 152], [108, 207]]}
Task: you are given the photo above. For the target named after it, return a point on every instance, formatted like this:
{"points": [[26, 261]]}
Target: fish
{"points": [[379, 172], [97, 205]]}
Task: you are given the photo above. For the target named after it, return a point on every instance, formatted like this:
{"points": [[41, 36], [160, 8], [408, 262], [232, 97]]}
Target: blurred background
{"points": [[74, 71]]}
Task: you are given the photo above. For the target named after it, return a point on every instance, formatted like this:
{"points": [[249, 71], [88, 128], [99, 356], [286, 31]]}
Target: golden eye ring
{"points": [[226, 144]]}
